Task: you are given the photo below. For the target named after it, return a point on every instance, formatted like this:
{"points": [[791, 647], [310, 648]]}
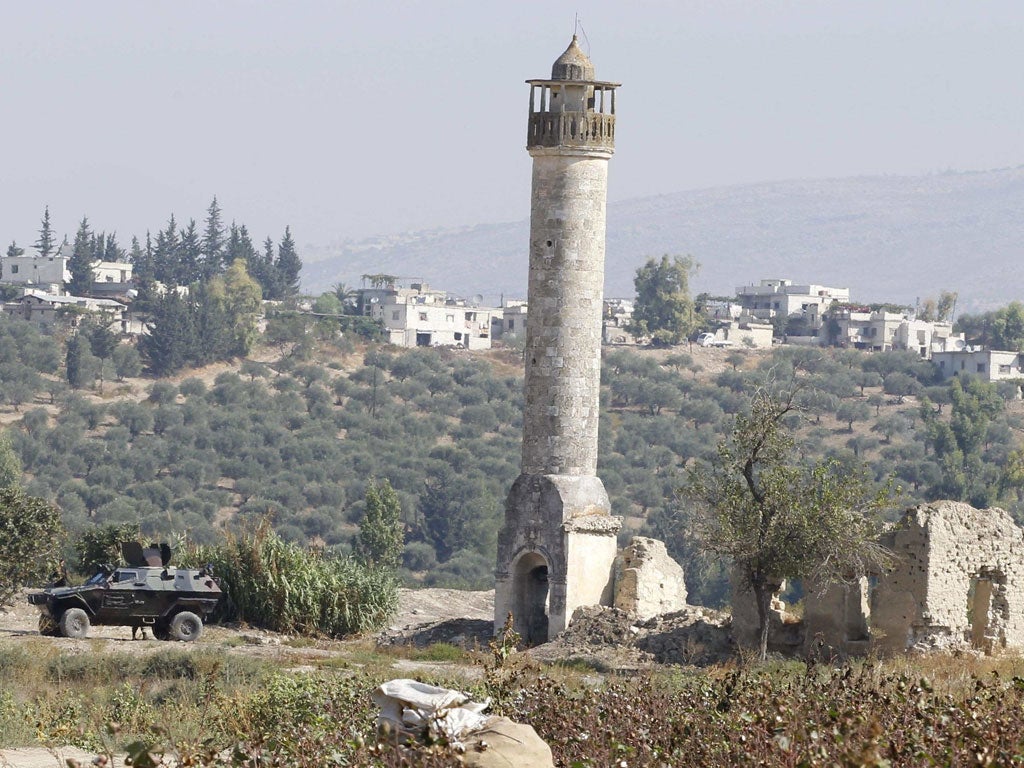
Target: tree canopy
{"points": [[664, 309], [776, 515]]}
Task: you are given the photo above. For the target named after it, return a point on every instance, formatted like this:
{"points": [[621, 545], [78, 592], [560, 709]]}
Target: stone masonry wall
{"points": [[563, 338], [958, 581]]}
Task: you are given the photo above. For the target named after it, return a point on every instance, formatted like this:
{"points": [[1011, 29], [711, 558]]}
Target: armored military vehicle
{"points": [[148, 592]]}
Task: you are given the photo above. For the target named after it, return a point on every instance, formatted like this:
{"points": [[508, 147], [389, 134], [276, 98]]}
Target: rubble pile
{"points": [[610, 639]]}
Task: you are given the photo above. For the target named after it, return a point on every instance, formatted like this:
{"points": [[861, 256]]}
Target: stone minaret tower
{"points": [[556, 549]]}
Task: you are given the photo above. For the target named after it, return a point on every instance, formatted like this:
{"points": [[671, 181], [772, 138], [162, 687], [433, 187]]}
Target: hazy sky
{"points": [[348, 120]]}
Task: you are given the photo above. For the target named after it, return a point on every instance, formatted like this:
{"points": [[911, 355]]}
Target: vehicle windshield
{"points": [[98, 578]]}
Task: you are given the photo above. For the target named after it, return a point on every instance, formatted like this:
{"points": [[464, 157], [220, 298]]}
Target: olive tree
{"points": [[778, 516]]}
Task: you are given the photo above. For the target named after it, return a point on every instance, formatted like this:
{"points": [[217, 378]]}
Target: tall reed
{"points": [[284, 587]]}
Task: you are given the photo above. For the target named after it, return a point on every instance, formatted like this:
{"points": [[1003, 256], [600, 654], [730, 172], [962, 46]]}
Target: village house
{"points": [[509, 320], [47, 309], [618, 314], [774, 297], [419, 316], [48, 273], [987, 364], [881, 331]]}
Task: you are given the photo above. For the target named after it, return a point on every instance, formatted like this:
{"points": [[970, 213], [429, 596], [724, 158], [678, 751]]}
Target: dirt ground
{"points": [[418, 611]]}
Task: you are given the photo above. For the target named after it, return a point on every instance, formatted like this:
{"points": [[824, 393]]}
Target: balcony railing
{"points": [[571, 129]]}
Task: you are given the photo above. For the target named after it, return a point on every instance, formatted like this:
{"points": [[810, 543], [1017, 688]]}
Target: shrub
{"points": [[284, 587], [31, 537]]}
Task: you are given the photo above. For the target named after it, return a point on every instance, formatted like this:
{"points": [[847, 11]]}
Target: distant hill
{"points": [[887, 238]]}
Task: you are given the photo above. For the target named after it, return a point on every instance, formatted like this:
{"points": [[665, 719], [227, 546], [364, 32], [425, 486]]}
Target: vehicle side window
{"points": [[127, 576]]}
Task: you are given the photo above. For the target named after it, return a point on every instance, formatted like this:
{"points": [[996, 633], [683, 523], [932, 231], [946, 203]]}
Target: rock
{"points": [[648, 582], [503, 743]]}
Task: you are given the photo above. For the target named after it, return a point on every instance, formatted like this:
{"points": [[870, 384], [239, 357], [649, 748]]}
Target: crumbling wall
{"points": [[648, 582], [785, 631], [837, 618], [958, 581]]}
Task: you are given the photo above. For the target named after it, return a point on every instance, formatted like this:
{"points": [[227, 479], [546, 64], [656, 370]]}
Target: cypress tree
{"points": [[80, 363], [380, 539], [81, 261], [170, 344], [190, 255], [213, 241], [288, 265], [45, 243]]}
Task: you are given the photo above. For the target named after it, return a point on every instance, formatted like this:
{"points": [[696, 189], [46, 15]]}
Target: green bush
{"points": [[284, 587]]}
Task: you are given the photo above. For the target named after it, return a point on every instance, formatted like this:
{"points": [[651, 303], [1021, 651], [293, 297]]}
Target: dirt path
{"points": [[58, 757]]}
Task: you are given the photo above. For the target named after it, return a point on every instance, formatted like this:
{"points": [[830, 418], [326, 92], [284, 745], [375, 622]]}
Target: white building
{"points": [[987, 364], [509, 320], [783, 297], [420, 317], [112, 272], [32, 268], [618, 314], [881, 331], [50, 273]]}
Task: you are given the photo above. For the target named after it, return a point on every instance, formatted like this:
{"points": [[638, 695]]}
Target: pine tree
{"points": [[213, 241], [288, 265], [111, 250], [45, 243], [14, 250], [170, 344], [261, 267], [142, 271], [81, 261], [165, 254], [190, 255], [212, 327]]}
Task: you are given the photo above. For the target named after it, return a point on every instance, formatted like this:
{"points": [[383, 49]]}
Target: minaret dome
{"points": [[574, 64]]}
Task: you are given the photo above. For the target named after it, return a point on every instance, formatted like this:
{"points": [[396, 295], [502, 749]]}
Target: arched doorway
{"points": [[530, 598]]}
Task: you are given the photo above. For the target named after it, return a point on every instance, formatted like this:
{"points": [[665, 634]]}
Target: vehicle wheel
{"points": [[74, 622], [186, 626], [47, 626]]}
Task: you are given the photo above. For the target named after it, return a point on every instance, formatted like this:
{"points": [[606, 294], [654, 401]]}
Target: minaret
{"points": [[556, 549]]}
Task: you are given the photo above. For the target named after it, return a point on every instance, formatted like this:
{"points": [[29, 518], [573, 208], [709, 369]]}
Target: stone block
{"points": [[648, 582]]}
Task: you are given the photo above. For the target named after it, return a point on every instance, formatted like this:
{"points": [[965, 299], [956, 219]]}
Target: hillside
{"points": [[888, 238], [297, 430]]}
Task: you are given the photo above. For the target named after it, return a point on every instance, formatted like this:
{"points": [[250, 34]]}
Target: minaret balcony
{"points": [[592, 130]]}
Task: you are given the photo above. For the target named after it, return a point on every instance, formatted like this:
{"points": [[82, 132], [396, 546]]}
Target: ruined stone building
{"points": [[956, 583], [558, 542]]}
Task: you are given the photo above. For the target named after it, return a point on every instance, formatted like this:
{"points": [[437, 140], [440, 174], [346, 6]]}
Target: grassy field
{"points": [[215, 704]]}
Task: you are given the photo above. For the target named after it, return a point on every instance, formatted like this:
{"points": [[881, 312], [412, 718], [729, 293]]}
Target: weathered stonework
{"points": [[648, 582], [957, 583], [785, 631], [556, 549]]}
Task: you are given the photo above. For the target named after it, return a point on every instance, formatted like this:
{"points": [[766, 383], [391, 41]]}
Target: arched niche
{"points": [[530, 597]]}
